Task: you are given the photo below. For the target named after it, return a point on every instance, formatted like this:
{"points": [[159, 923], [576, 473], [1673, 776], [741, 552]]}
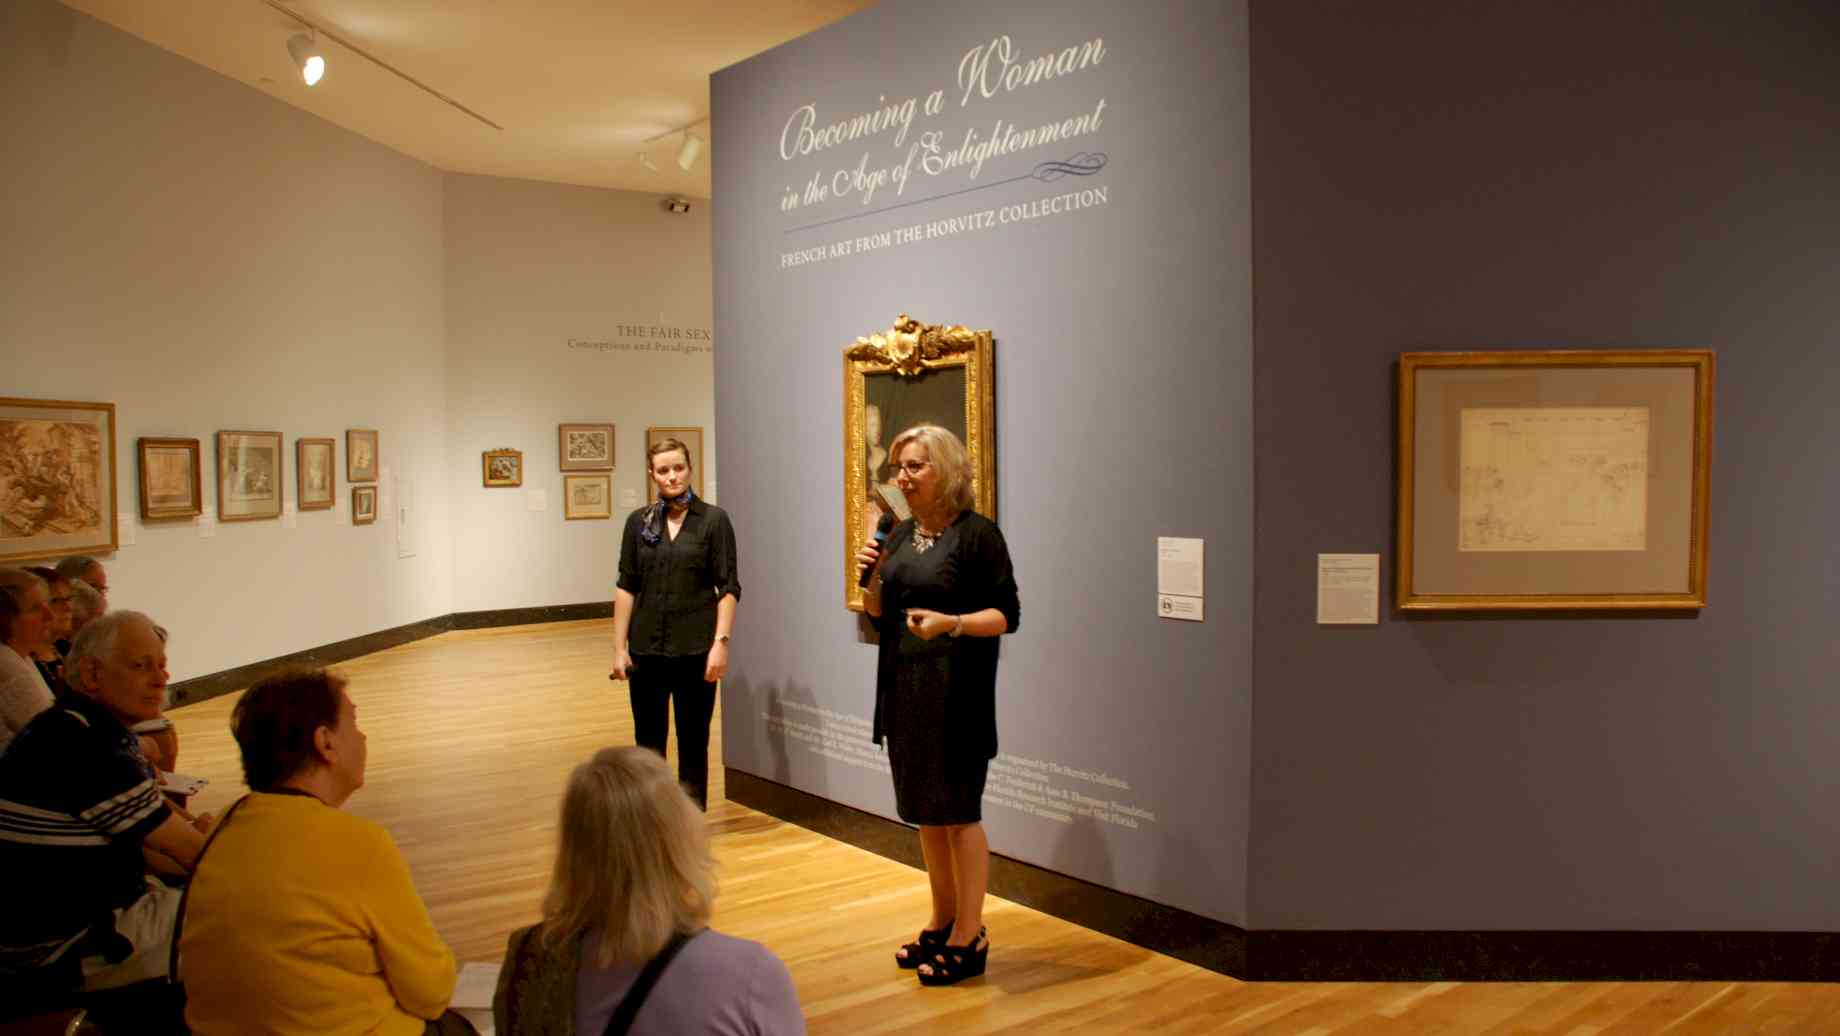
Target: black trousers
{"points": [[451, 1023], [664, 684]]}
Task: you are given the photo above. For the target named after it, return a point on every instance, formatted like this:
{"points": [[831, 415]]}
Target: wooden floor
{"points": [[472, 733]]}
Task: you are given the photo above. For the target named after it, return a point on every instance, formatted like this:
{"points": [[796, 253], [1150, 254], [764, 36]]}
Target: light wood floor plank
{"points": [[473, 733]]}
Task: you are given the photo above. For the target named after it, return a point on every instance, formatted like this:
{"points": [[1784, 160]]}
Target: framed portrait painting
{"points": [[1554, 479], [315, 474], [363, 505], [57, 478], [587, 496], [248, 476], [171, 479], [911, 374], [585, 447], [360, 455], [692, 438], [502, 469]]}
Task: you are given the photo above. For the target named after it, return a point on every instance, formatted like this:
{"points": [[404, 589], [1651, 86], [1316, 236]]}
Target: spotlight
{"points": [[686, 155], [646, 161], [305, 52]]}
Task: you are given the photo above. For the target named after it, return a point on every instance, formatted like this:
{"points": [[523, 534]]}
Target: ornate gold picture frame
{"points": [[912, 373], [1554, 479]]}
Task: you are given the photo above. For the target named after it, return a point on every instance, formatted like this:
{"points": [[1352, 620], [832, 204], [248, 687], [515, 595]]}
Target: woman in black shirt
{"points": [[672, 613], [944, 592]]}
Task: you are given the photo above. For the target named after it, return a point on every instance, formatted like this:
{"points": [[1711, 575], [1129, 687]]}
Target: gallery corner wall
{"points": [[1105, 241], [565, 304], [206, 258]]}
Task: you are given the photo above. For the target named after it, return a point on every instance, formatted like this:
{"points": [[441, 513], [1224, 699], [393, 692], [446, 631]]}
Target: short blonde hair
{"points": [[948, 455], [633, 860]]}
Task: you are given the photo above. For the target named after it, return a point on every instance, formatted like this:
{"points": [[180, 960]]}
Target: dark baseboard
{"points": [[1292, 956], [1336, 956], [528, 616], [203, 688], [1176, 933]]}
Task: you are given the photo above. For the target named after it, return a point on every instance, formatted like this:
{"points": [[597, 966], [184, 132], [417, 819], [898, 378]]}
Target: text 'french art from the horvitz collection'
{"points": [[1035, 787], [888, 155]]}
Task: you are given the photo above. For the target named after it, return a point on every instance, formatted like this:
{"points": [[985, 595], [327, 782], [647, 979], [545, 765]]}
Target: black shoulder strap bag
{"points": [[628, 1010]]}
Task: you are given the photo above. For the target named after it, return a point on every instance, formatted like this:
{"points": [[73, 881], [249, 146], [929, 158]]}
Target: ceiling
{"points": [[578, 85]]}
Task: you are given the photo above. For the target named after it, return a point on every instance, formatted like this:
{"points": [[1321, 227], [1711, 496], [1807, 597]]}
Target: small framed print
{"points": [[248, 476], [316, 478], [502, 469], [692, 438], [361, 455], [585, 447], [587, 496], [172, 485], [363, 505]]}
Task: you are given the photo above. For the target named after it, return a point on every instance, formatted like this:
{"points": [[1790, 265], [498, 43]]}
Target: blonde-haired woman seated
{"points": [[623, 945]]}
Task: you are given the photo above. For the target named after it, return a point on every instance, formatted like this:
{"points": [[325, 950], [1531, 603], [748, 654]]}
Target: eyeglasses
{"points": [[914, 467]]}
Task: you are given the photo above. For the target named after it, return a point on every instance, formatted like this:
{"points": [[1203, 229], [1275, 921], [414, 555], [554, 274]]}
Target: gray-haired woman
{"points": [[943, 591]]}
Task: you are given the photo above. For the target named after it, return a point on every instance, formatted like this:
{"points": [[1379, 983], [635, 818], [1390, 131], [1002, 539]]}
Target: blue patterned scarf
{"points": [[652, 530]]}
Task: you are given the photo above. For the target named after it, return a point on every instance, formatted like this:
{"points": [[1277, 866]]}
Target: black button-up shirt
{"points": [[676, 583]]}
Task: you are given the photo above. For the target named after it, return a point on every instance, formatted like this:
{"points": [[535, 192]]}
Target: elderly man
{"points": [[78, 802]]}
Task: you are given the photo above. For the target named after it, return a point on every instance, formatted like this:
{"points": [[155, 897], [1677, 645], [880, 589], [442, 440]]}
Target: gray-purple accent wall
{"points": [[1122, 316], [1513, 175]]}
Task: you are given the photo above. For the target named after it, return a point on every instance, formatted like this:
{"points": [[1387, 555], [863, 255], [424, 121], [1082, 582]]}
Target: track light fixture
{"points": [[686, 155], [305, 50]]}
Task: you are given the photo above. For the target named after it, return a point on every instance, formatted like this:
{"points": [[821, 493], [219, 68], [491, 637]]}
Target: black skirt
{"points": [[938, 773]]}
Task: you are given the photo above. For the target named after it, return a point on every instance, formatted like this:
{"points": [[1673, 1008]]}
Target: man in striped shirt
{"points": [[77, 802]]}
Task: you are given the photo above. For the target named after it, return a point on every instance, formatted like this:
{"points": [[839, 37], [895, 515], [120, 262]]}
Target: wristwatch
{"points": [[723, 639], [958, 626]]}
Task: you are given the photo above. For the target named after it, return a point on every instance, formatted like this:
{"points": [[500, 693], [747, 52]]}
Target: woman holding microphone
{"points": [[672, 613], [942, 591]]}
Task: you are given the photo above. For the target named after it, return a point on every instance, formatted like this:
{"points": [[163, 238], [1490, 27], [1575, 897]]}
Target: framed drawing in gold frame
{"points": [[249, 473], [57, 478], [501, 469], [316, 476], [171, 478], [911, 374], [1554, 479]]}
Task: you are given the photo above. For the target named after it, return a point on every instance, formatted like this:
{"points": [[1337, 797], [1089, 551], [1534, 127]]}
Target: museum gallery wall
{"points": [[361, 291], [1103, 241], [1666, 184]]}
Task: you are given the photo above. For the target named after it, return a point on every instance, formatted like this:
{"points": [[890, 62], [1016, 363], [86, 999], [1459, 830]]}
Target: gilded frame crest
{"points": [[895, 379]]}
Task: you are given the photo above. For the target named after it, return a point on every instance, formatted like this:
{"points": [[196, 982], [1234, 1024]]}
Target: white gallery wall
{"points": [[207, 257], [565, 304]]}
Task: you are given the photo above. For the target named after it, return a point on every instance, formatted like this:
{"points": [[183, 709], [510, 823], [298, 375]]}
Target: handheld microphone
{"points": [[883, 526]]}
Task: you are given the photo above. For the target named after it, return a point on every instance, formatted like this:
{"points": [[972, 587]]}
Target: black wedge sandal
{"points": [[913, 954], [953, 964]]}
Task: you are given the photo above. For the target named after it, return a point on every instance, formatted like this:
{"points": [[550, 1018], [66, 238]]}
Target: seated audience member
{"points": [[86, 605], [633, 885], [25, 622], [87, 569], [49, 657], [76, 808], [302, 919]]}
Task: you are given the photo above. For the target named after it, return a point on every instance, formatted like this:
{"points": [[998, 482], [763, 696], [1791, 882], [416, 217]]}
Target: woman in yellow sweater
{"points": [[303, 920]]}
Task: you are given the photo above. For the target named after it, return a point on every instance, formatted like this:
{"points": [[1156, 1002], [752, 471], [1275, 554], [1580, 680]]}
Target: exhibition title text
{"points": [[986, 72]]}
